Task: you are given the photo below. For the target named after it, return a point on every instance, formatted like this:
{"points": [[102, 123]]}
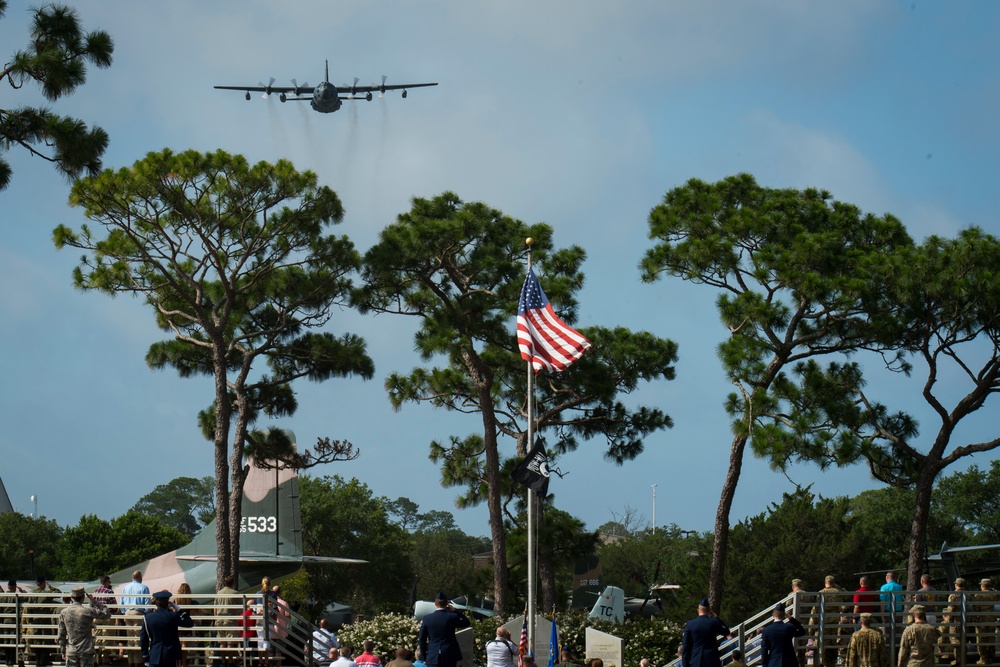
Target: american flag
{"points": [[545, 340], [522, 647]]}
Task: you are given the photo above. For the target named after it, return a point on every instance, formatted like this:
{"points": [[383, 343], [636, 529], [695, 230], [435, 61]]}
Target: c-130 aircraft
{"points": [[270, 542], [326, 97]]}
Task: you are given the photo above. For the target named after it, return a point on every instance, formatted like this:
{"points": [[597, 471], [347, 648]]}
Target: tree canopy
{"points": [[237, 265], [459, 267], [56, 59], [185, 504], [795, 273], [30, 545], [95, 547], [344, 518]]}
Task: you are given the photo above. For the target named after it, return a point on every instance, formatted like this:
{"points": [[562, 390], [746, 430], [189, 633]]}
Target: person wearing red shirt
{"points": [[864, 602], [367, 658]]}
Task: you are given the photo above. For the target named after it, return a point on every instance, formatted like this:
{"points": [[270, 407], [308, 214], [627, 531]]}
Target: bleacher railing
{"points": [[969, 626], [229, 631]]}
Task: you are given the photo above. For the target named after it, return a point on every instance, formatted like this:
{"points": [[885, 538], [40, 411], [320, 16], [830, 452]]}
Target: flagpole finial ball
{"points": [[529, 241]]}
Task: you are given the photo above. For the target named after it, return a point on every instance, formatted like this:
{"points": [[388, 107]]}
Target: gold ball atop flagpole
{"points": [[529, 241]]}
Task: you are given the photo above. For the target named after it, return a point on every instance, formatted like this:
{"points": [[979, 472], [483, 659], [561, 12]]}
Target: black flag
{"points": [[533, 471]]}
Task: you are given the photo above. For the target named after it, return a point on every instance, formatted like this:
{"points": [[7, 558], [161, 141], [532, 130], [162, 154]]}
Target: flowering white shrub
{"points": [[653, 638], [388, 631]]}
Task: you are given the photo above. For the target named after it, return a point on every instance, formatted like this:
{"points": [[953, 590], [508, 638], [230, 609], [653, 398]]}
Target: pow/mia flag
{"points": [[533, 471]]}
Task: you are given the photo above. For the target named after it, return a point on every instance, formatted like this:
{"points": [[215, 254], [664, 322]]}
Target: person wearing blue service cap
{"points": [[437, 634], [778, 639], [158, 637], [700, 642]]}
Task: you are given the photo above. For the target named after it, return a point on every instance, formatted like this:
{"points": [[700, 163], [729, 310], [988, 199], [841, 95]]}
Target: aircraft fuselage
{"points": [[325, 98]]}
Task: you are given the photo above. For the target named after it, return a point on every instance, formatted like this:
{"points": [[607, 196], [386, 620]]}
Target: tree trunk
{"points": [[223, 413], [482, 376], [717, 575], [918, 529], [546, 570]]}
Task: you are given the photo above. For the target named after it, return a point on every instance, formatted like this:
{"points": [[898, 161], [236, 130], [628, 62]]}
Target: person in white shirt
{"points": [[501, 651], [323, 641], [337, 660]]}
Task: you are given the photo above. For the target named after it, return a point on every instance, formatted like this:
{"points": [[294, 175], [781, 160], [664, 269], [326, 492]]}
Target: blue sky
{"points": [[579, 114]]}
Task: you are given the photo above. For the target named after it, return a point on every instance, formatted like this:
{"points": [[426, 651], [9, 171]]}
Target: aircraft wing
{"points": [[301, 90], [373, 89]]}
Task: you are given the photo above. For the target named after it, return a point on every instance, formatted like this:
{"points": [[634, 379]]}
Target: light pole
{"points": [[654, 508]]}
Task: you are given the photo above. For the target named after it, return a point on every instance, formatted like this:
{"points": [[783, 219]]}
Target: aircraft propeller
{"points": [[649, 588], [297, 88], [381, 88], [267, 88]]}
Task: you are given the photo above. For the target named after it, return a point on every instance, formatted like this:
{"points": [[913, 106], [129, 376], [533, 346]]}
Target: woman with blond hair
{"points": [[184, 600]]}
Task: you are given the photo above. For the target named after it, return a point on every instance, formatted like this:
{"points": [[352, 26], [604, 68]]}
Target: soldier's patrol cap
{"points": [[828, 578], [77, 592], [959, 581], [162, 595], [866, 616], [917, 608], [986, 582], [796, 582]]}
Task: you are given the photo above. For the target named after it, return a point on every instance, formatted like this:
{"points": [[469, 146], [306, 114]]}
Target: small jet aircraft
{"points": [[326, 97], [483, 610], [614, 605]]}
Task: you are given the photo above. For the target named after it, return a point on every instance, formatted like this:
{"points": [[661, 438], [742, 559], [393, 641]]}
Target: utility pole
{"points": [[654, 508]]}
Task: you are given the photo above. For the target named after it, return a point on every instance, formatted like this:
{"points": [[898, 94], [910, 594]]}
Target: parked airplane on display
{"points": [[270, 541], [326, 97], [483, 610]]}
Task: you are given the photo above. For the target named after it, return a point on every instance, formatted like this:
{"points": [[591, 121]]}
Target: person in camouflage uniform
{"points": [[951, 631], [76, 629], [985, 617], [916, 648], [836, 621], [807, 608], [39, 622], [867, 647], [9, 621]]}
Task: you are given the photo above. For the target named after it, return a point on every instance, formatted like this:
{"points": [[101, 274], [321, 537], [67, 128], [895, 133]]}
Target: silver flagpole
{"points": [[531, 495]]}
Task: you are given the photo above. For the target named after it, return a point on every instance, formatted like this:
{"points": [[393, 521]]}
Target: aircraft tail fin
{"points": [[610, 606], [327, 77], [5, 505], [271, 525]]}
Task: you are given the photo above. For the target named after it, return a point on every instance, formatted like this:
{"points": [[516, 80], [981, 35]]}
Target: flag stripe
{"points": [[544, 340], [522, 648]]}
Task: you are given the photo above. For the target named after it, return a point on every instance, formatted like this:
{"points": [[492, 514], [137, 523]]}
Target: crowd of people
{"points": [[140, 628], [850, 629]]}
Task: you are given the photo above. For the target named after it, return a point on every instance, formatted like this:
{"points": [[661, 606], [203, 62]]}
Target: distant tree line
{"points": [[806, 537]]}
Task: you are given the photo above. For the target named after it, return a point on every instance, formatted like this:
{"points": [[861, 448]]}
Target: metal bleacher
{"points": [[224, 634], [829, 620]]}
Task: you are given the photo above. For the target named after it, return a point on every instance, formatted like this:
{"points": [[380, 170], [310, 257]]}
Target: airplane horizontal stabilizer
{"points": [[331, 559], [274, 559]]}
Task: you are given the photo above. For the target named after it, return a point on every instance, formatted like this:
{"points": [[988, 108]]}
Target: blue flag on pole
{"points": [[554, 643]]}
